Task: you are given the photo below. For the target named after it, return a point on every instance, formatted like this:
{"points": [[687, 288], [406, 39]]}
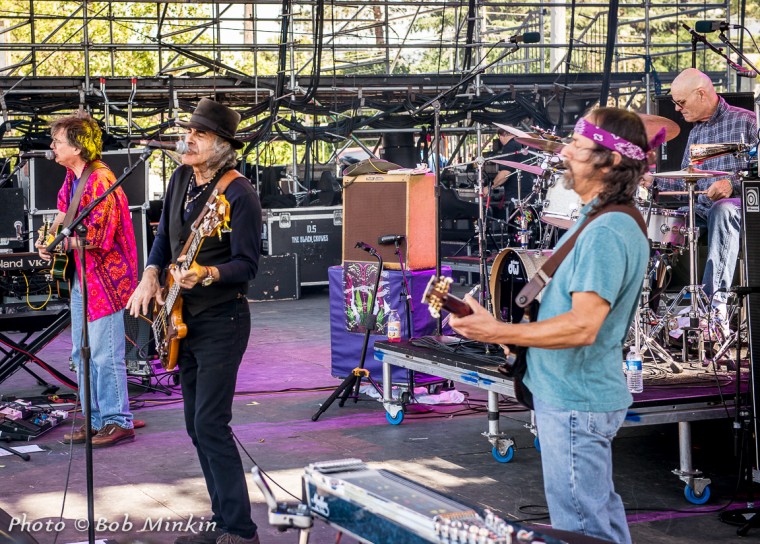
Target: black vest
{"points": [[213, 251]]}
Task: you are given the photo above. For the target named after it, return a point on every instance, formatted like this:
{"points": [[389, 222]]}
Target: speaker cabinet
{"points": [[751, 247], [376, 205], [42, 179], [671, 153]]}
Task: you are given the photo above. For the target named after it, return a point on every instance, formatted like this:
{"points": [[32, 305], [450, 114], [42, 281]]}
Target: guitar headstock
{"points": [[436, 294], [217, 219], [44, 236]]}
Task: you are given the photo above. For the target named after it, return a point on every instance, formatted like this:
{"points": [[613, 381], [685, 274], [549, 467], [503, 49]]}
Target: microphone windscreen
{"points": [[531, 37]]}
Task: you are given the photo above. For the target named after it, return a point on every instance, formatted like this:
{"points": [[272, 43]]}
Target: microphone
{"points": [[746, 73], [48, 154], [390, 239], [366, 247], [180, 146], [745, 290], [705, 27], [528, 37], [19, 233]]}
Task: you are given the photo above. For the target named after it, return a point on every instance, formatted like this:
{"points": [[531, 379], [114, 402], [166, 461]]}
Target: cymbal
{"points": [[516, 131], [690, 173], [549, 146], [530, 168], [680, 193], [653, 124]]}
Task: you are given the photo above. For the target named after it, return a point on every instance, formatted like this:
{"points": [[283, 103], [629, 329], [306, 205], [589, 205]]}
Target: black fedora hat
{"points": [[217, 118]]}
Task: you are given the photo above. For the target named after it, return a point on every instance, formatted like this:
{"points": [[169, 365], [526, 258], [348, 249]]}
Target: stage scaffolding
{"points": [[341, 72]]}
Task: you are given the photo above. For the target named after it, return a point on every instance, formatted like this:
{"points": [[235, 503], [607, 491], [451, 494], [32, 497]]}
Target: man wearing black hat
{"points": [[214, 308]]}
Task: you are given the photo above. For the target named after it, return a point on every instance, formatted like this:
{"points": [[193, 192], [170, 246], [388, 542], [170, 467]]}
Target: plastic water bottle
{"points": [[394, 326], [634, 371]]}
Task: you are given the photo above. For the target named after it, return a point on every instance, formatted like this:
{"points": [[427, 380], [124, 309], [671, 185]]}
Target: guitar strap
{"points": [[74, 204], [531, 289], [228, 177]]}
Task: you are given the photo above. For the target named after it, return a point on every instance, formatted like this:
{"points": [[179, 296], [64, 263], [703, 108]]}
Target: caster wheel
{"points": [[693, 498], [395, 420], [537, 444], [506, 458]]}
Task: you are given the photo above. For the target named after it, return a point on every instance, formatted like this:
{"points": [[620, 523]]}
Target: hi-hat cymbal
{"points": [[549, 146], [690, 173], [516, 131], [653, 124], [530, 168]]}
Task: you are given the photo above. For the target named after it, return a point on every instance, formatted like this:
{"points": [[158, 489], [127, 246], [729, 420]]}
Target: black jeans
{"points": [[209, 359]]}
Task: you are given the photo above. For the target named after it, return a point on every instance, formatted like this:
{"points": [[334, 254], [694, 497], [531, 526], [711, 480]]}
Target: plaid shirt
{"points": [[727, 125]]}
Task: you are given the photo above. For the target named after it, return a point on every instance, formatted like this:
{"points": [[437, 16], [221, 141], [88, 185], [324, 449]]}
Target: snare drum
{"points": [[561, 206], [511, 270], [665, 226]]}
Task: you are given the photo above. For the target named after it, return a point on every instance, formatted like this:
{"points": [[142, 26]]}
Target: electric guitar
{"points": [[168, 327], [438, 297], [62, 267]]}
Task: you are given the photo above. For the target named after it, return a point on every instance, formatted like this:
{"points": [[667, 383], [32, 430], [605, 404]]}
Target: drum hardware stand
{"points": [[354, 380], [698, 300], [642, 339]]}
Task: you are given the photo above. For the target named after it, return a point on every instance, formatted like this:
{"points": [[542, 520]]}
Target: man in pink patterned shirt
{"points": [[110, 274]]}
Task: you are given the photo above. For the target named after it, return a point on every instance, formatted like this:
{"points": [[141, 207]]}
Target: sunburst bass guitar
{"points": [[168, 327]]}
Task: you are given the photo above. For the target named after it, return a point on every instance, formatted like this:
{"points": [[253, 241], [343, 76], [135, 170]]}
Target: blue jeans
{"points": [[109, 401], [576, 457], [723, 239], [209, 359]]}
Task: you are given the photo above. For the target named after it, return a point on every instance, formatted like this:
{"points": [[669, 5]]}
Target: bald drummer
{"points": [[719, 209]]}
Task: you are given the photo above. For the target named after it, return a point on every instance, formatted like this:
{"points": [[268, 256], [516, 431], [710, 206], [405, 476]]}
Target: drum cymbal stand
{"points": [[523, 233], [642, 337], [698, 300]]}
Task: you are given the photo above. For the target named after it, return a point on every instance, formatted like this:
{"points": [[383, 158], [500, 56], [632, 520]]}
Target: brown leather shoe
{"points": [[78, 436], [112, 434]]}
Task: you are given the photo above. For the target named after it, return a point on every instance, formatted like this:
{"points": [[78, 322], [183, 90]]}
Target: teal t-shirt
{"points": [[609, 258]]}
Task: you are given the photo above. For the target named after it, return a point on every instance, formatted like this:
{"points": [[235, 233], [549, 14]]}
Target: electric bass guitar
{"points": [[62, 267], [168, 327]]}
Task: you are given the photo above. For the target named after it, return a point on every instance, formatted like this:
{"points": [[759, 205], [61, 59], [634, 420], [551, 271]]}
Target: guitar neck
{"points": [[456, 306]]}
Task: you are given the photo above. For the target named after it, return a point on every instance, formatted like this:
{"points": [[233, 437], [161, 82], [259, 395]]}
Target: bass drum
{"points": [[511, 270]]}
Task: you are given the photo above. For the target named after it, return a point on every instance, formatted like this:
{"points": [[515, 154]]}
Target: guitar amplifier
{"points": [[376, 205]]}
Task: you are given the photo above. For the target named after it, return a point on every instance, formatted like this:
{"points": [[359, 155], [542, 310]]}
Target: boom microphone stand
{"points": [[81, 230], [436, 103], [354, 380]]}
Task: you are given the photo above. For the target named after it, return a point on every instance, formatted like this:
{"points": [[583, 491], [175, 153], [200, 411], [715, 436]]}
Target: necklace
{"points": [[193, 188]]}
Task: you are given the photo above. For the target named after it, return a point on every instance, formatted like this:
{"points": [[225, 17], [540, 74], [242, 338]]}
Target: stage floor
{"points": [[155, 480]]}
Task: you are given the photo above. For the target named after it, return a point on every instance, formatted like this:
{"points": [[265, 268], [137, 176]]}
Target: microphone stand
{"points": [[695, 37], [81, 230], [738, 52], [354, 380], [436, 103], [6, 179]]}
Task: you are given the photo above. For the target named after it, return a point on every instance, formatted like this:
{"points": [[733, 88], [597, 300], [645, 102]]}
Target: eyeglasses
{"points": [[58, 142], [682, 102]]}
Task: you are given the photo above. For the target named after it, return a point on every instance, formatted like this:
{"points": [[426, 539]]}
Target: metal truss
{"points": [[139, 64]]}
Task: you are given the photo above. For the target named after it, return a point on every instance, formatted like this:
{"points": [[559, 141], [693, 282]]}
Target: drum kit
{"points": [[672, 233]]}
